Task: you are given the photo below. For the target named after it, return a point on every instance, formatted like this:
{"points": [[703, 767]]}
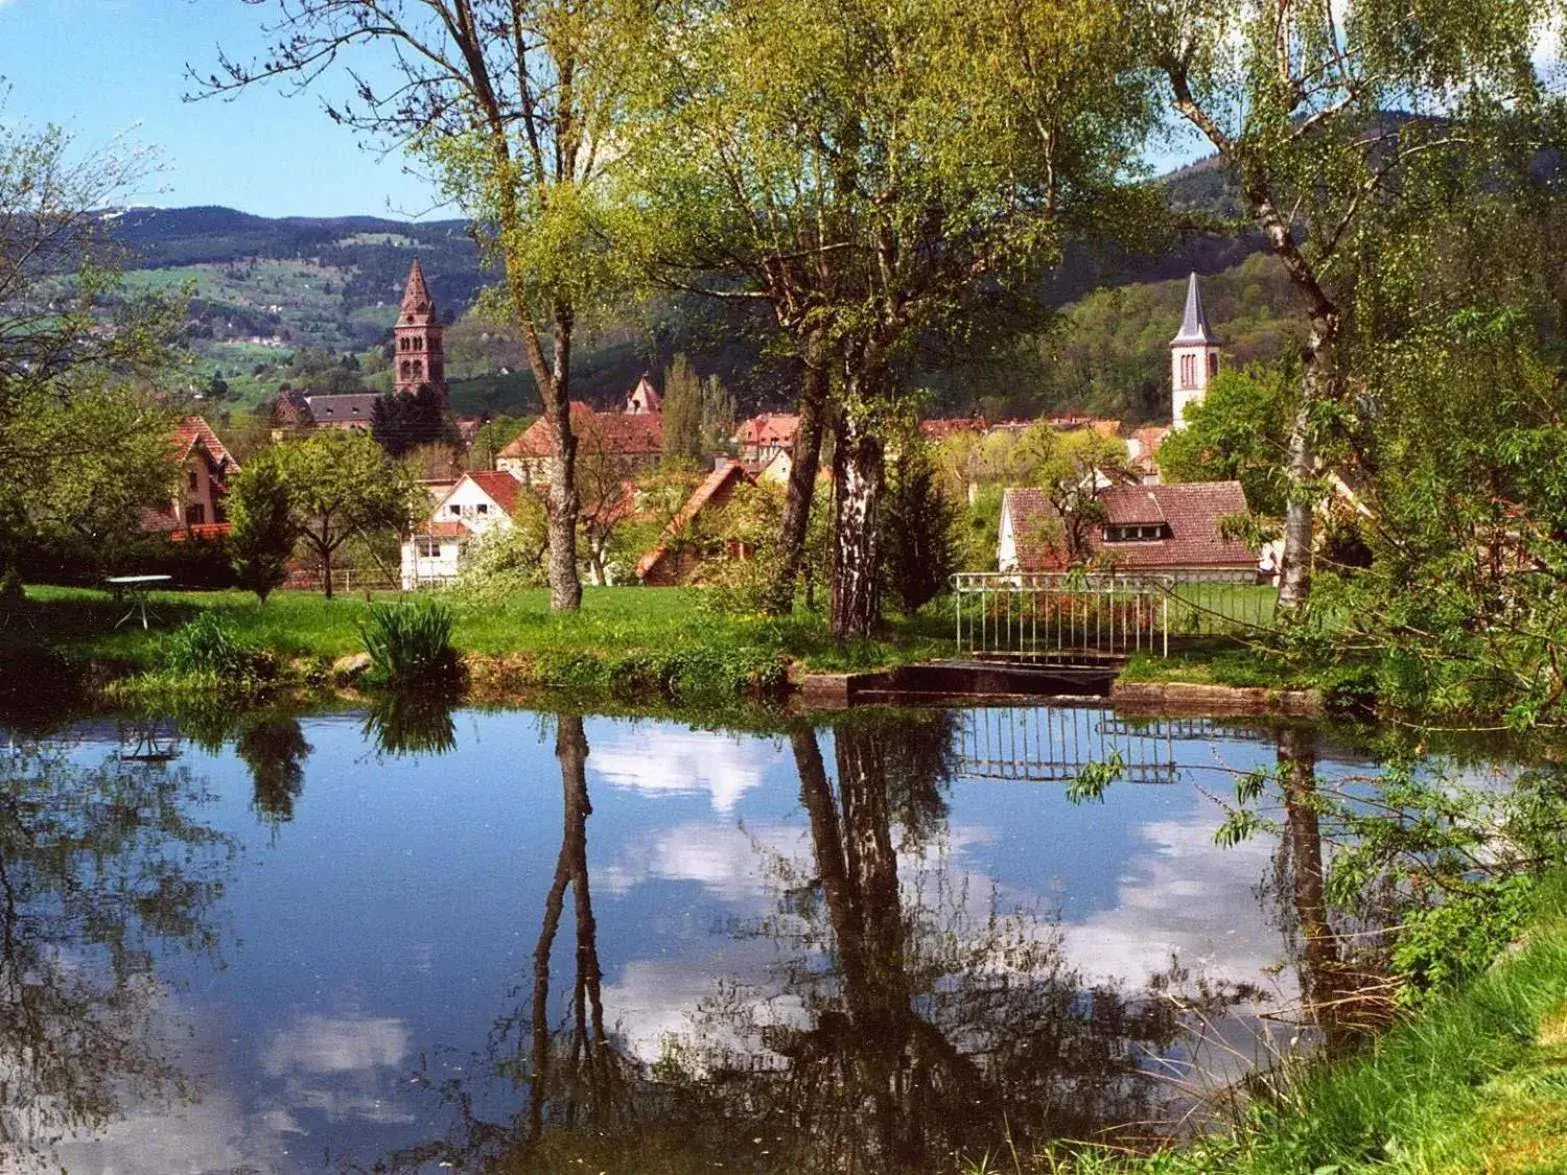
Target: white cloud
{"points": [[663, 761], [728, 861], [336, 1044]]}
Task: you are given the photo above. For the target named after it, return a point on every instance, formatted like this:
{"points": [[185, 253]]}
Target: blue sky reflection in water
{"points": [[375, 950]]}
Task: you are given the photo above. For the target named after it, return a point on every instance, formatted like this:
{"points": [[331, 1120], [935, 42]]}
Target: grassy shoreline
{"points": [[651, 642], [1477, 1081]]}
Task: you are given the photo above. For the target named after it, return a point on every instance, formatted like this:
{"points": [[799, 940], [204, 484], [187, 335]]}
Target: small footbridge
{"points": [[1096, 618]]}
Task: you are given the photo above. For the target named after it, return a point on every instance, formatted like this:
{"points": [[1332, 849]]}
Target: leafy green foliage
{"points": [[682, 418], [402, 423], [1238, 432], [262, 534], [208, 648], [409, 644], [918, 523]]}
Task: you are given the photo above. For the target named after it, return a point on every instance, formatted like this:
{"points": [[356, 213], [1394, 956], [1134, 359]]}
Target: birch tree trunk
{"points": [[1316, 386], [858, 477], [564, 501]]}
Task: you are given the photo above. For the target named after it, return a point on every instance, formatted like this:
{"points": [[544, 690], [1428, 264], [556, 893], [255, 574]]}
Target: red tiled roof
{"points": [[770, 428], [1192, 513], [502, 487], [617, 434], [721, 476], [193, 430], [945, 427]]}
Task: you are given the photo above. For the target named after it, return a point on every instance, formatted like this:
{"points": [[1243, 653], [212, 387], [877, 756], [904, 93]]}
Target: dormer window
{"points": [[1142, 532]]}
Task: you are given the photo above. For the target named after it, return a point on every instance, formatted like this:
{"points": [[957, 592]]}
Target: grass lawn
{"points": [[622, 636]]}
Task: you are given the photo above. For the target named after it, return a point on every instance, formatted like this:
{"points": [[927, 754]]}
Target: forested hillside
{"points": [[261, 289]]}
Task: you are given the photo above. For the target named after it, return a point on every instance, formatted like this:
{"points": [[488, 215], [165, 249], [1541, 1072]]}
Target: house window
{"points": [[1188, 371], [193, 479], [1138, 533], [196, 514], [427, 548], [482, 508], [454, 510], [1213, 364]]}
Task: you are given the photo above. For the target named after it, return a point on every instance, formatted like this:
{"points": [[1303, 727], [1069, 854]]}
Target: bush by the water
{"points": [[409, 643], [208, 646]]}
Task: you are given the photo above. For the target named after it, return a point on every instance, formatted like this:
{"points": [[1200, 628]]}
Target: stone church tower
{"points": [[420, 358], [1194, 356]]}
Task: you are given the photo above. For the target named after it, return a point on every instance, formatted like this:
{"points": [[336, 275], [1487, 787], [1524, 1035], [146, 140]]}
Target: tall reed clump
{"points": [[409, 644], [207, 646]]}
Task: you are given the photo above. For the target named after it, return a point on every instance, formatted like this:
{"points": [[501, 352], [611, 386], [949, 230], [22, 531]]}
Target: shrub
{"points": [[208, 646], [409, 643]]}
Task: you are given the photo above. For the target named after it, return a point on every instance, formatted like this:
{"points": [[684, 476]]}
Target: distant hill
{"points": [[263, 287]]}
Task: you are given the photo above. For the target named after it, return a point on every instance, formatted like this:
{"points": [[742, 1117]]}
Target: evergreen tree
{"points": [[262, 537], [402, 423], [919, 540], [683, 403]]}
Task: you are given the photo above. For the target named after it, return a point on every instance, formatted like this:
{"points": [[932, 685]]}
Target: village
{"points": [[783, 587], [1132, 519]]}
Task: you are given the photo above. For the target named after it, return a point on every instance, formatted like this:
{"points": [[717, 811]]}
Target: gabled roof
{"points": [[617, 434], [502, 488], [194, 431], [1194, 323], [722, 475], [1191, 512], [770, 428], [644, 398]]}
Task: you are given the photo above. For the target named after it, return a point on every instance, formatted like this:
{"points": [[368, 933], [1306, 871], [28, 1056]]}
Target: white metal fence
{"points": [[1076, 615]]}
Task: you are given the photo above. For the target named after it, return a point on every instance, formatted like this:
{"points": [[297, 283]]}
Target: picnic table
{"points": [[134, 588]]}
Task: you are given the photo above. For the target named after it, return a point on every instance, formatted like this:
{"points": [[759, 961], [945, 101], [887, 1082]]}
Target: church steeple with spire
{"points": [[1194, 355], [420, 357]]}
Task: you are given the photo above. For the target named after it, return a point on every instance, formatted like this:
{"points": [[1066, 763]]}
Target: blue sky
{"points": [[108, 68], [104, 68]]}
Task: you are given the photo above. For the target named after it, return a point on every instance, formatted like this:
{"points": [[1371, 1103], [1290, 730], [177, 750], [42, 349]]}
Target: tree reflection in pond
{"points": [[101, 867], [909, 1022], [274, 749]]}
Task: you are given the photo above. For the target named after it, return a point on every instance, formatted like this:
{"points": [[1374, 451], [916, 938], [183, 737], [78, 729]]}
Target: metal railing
{"points": [[1055, 744], [1078, 615]]}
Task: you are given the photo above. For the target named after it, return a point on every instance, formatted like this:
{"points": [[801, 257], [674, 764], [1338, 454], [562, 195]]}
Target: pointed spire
{"points": [[416, 295], [1194, 323]]}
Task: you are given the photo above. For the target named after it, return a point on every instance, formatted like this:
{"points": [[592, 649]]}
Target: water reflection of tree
{"points": [[99, 866], [275, 750], [932, 1027], [1338, 953], [908, 1022]]}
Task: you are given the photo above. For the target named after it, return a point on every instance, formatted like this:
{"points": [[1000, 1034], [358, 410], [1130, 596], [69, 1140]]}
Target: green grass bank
{"points": [[1476, 1082], [624, 642]]}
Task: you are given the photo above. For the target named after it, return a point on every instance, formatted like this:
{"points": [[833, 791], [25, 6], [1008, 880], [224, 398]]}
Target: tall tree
{"points": [[682, 415], [83, 442], [876, 174], [1318, 110], [511, 103], [340, 485], [262, 528]]}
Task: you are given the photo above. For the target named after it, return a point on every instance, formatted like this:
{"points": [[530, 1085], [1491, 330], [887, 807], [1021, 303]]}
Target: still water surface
{"points": [[523, 939]]}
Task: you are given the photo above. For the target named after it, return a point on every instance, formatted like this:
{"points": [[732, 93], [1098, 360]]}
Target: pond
{"points": [[421, 938]]}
